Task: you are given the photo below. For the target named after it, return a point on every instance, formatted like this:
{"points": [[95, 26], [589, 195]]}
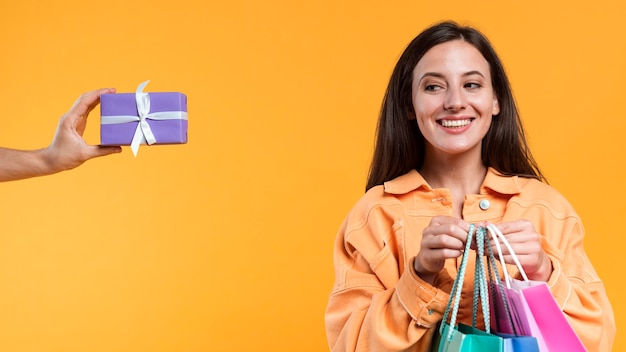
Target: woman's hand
{"points": [[442, 239], [526, 243]]}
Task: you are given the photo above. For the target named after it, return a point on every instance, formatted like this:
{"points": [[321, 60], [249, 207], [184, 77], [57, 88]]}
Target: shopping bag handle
{"points": [[455, 292], [480, 280], [493, 267], [480, 283], [497, 236]]}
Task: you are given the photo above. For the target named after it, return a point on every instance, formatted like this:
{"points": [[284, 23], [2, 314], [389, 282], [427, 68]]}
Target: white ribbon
{"points": [[143, 133]]}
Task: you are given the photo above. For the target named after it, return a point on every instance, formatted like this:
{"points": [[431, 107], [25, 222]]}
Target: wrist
{"points": [[544, 272], [46, 164], [423, 274]]}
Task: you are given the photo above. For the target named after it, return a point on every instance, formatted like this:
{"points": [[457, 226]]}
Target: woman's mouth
{"points": [[454, 123]]}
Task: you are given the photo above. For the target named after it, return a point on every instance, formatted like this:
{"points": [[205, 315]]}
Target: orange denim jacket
{"points": [[378, 303]]}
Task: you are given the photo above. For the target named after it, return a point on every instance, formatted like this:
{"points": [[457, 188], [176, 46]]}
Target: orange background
{"points": [[225, 243]]}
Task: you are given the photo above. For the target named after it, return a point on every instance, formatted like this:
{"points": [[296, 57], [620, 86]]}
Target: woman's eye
{"points": [[432, 88], [472, 85]]}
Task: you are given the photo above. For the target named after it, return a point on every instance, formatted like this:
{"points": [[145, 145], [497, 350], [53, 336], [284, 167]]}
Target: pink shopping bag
{"points": [[556, 332], [531, 307]]}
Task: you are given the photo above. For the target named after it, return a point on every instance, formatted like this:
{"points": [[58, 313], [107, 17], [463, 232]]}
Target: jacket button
{"points": [[484, 204]]}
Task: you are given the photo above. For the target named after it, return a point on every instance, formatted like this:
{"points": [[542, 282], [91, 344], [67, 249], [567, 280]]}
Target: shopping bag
{"points": [[510, 343], [513, 343], [464, 338], [509, 313], [505, 321], [556, 332], [453, 337], [532, 309]]}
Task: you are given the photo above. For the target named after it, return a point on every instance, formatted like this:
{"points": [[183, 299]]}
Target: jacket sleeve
{"points": [[577, 288], [377, 304]]}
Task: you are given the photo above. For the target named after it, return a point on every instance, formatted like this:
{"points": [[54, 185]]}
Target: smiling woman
{"points": [[451, 152]]}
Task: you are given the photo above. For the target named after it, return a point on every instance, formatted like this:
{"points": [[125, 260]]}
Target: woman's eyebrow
{"points": [[430, 74], [439, 75], [474, 72]]}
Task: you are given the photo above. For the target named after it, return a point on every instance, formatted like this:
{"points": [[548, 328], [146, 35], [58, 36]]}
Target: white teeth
{"points": [[455, 123]]}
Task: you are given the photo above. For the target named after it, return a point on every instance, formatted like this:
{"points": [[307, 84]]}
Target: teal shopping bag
{"points": [[468, 339]]}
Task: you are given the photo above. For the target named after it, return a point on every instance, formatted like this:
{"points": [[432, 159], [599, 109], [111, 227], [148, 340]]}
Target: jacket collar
{"points": [[493, 180]]}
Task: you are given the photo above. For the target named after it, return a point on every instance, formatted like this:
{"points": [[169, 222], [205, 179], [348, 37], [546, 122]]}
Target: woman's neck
{"points": [[460, 175]]}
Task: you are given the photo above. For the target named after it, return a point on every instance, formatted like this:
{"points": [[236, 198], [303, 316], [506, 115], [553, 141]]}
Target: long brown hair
{"points": [[399, 142]]}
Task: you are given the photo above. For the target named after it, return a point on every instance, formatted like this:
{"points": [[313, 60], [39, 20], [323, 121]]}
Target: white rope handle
{"points": [[497, 234]]}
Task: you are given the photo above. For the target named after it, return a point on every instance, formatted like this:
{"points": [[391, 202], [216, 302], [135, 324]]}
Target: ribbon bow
{"points": [[143, 133]]}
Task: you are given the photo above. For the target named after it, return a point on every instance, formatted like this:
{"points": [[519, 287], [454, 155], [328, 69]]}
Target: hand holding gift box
{"points": [[143, 118]]}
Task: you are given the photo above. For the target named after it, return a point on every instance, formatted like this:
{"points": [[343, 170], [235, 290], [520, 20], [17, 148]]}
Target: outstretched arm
{"points": [[67, 150]]}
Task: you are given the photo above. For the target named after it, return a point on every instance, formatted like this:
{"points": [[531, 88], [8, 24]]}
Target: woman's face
{"points": [[453, 98]]}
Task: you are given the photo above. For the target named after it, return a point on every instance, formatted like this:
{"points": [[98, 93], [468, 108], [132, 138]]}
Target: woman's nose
{"points": [[455, 100]]}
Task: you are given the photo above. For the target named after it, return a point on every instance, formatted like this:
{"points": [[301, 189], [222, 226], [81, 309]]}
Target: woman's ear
{"points": [[496, 107], [410, 113]]}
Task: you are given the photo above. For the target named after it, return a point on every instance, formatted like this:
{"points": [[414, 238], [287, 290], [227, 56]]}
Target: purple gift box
{"points": [[167, 118]]}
